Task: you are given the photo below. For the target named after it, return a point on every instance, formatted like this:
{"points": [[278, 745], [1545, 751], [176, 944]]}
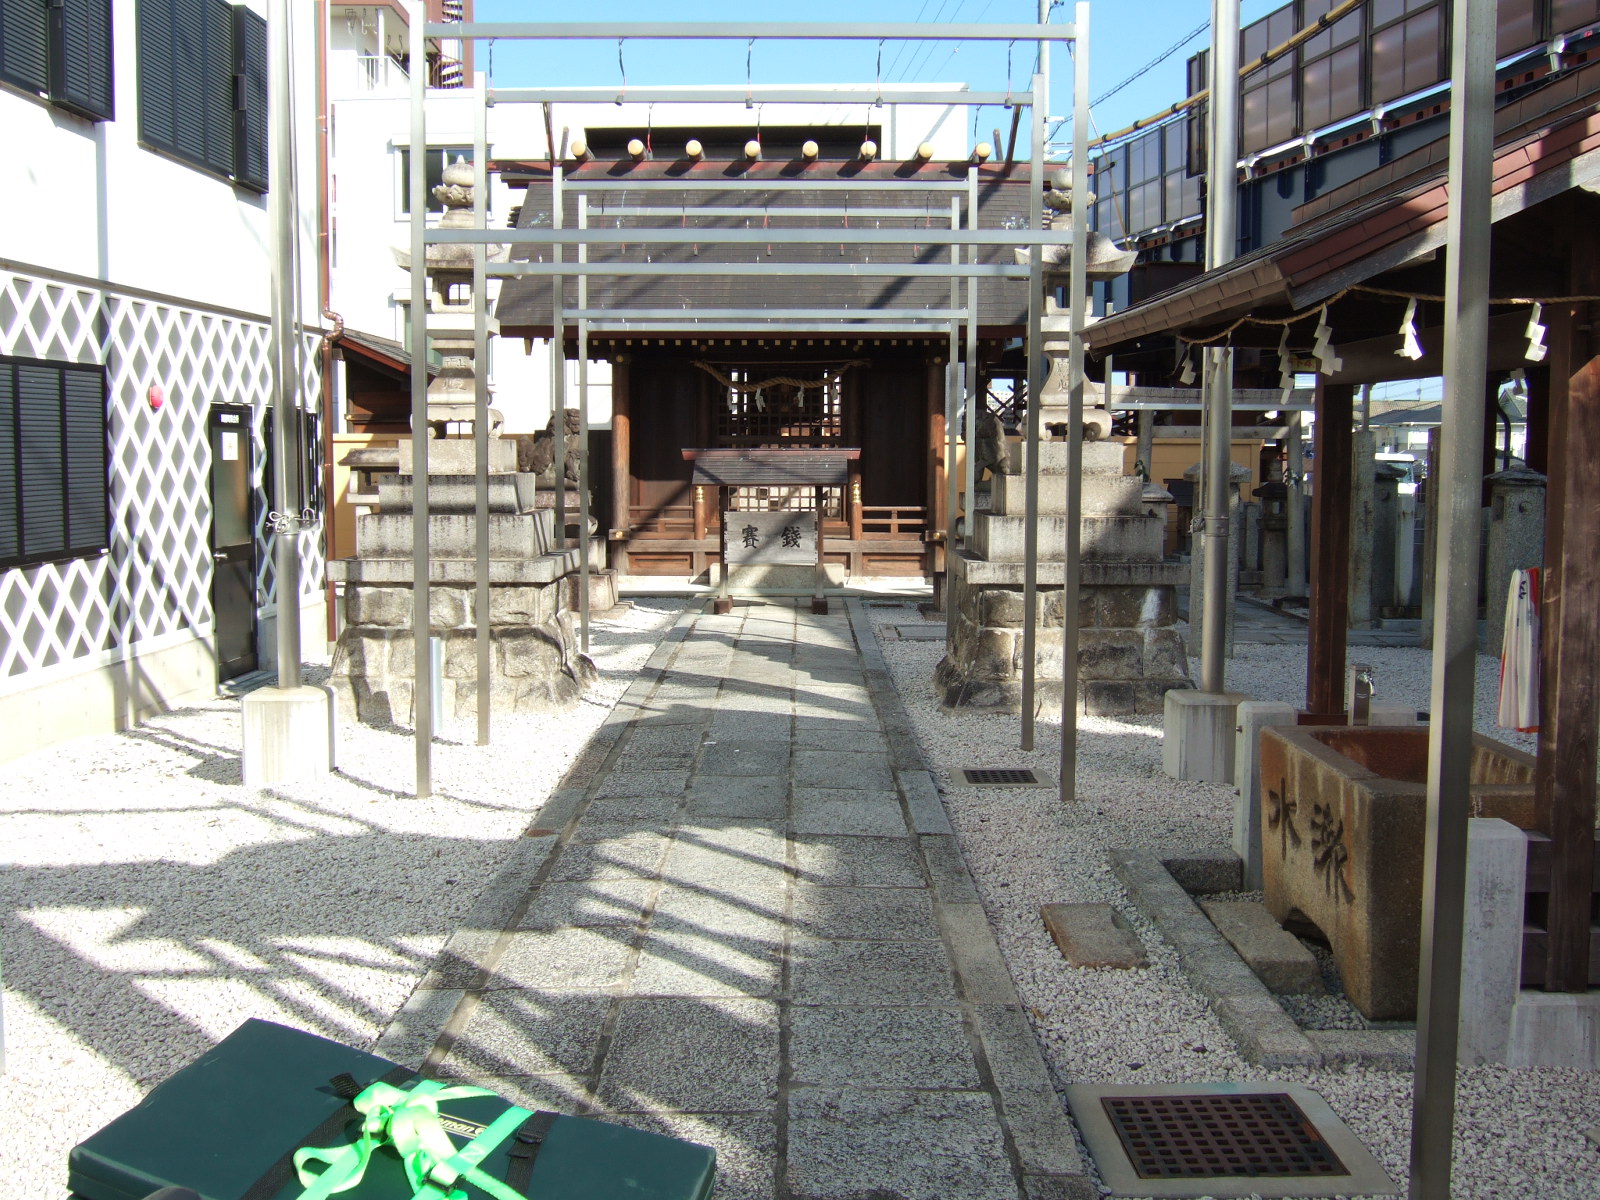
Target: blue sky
{"points": [[1124, 37]]}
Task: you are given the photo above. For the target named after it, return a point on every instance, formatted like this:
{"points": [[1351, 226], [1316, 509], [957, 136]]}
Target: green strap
{"points": [[409, 1120]]}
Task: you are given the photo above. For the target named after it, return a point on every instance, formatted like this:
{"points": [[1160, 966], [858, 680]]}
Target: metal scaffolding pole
{"points": [[558, 364], [480, 410], [974, 401], [1222, 240], [1455, 604], [422, 671], [285, 384], [952, 387], [1078, 287], [583, 436], [1035, 355]]}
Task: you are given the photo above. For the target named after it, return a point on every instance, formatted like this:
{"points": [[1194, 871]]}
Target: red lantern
{"points": [[156, 396]]}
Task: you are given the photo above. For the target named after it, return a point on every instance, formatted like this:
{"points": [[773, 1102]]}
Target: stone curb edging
{"points": [[1032, 1113], [1250, 1014]]}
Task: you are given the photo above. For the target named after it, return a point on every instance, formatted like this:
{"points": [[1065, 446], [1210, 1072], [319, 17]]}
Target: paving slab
{"points": [[857, 862], [751, 926], [880, 1047]]}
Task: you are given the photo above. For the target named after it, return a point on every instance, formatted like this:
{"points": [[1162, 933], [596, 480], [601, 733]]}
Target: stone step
{"points": [[999, 537], [544, 569], [454, 535], [1103, 495], [508, 493], [1279, 959]]}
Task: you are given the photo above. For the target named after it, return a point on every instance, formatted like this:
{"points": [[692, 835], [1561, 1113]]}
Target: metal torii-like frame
{"points": [[1035, 237]]}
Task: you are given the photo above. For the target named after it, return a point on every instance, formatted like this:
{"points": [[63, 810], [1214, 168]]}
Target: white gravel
{"points": [[150, 903], [1520, 1133]]}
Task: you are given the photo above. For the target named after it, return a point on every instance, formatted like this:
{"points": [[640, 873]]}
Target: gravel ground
{"points": [[1520, 1133], [150, 904]]}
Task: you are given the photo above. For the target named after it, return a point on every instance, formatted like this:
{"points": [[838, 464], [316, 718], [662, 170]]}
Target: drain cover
{"points": [[1002, 777], [1188, 1137], [1222, 1139]]}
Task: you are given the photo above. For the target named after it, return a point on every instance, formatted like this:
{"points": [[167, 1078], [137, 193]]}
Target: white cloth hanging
{"points": [[1519, 655]]}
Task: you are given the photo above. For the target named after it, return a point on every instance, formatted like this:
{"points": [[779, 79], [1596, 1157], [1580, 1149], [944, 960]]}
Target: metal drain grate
{"points": [[1190, 1137], [1001, 777]]}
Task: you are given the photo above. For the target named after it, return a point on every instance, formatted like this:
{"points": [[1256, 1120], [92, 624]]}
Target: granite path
{"points": [[744, 919]]}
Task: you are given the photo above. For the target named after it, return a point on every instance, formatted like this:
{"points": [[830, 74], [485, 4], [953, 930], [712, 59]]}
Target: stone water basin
{"points": [[1344, 810]]}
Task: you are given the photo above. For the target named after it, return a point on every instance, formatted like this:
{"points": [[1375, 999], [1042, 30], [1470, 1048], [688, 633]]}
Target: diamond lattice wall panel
{"points": [[155, 580]]}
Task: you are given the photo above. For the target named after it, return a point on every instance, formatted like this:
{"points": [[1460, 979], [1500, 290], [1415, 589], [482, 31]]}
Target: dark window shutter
{"points": [[80, 57], [189, 79], [217, 76], [250, 117], [24, 38], [84, 401], [10, 534], [158, 105], [44, 518]]}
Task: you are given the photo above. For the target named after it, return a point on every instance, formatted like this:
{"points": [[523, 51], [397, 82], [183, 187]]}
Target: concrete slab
{"points": [[527, 1033], [843, 811], [599, 902], [840, 972], [682, 962], [632, 856], [1094, 935], [757, 797], [744, 757], [883, 914], [880, 1048], [563, 960], [746, 1146], [834, 769], [695, 1054], [857, 862], [851, 1144]]}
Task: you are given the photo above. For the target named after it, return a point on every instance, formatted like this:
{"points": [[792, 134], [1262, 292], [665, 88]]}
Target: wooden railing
{"points": [[888, 521]]}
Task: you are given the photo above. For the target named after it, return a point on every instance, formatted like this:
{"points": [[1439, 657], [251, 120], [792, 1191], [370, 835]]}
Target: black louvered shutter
{"points": [[250, 99], [218, 82], [24, 41], [84, 402], [80, 57], [10, 534], [44, 517], [189, 78], [158, 86]]}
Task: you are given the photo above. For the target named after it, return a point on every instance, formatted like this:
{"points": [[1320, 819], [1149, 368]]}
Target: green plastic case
{"points": [[228, 1124]]}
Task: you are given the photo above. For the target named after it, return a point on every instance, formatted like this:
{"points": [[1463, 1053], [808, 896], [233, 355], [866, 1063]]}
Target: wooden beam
{"points": [[1330, 538], [621, 466], [1564, 779]]}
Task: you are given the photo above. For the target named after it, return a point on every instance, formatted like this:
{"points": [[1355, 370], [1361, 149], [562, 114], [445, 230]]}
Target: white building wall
{"points": [[118, 255]]}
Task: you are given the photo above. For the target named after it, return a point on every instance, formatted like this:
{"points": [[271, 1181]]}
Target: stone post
{"points": [[1430, 534], [1385, 537], [1516, 541], [1363, 448]]}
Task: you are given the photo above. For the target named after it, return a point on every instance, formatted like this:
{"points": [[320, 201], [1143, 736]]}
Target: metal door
{"points": [[233, 544]]}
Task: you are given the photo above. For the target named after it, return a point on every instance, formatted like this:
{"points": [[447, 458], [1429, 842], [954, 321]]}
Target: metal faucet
{"points": [[1358, 693]]}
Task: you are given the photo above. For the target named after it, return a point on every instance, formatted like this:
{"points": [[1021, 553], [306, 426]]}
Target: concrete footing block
{"points": [[1198, 735], [288, 735], [1555, 1029], [1276, 956]]}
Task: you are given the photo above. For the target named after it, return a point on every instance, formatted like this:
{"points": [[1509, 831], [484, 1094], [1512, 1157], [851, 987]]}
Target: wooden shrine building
{"points": [[769, 357]]}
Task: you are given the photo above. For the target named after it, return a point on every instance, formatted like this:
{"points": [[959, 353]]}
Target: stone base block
{"points": [[1198, 735], [602, 591], [1550, 1029], [1094, 935], [288, 735], [458, 456], [1253, 717]]}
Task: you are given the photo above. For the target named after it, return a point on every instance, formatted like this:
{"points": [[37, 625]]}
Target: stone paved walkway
{"points": [[745, 920]]}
